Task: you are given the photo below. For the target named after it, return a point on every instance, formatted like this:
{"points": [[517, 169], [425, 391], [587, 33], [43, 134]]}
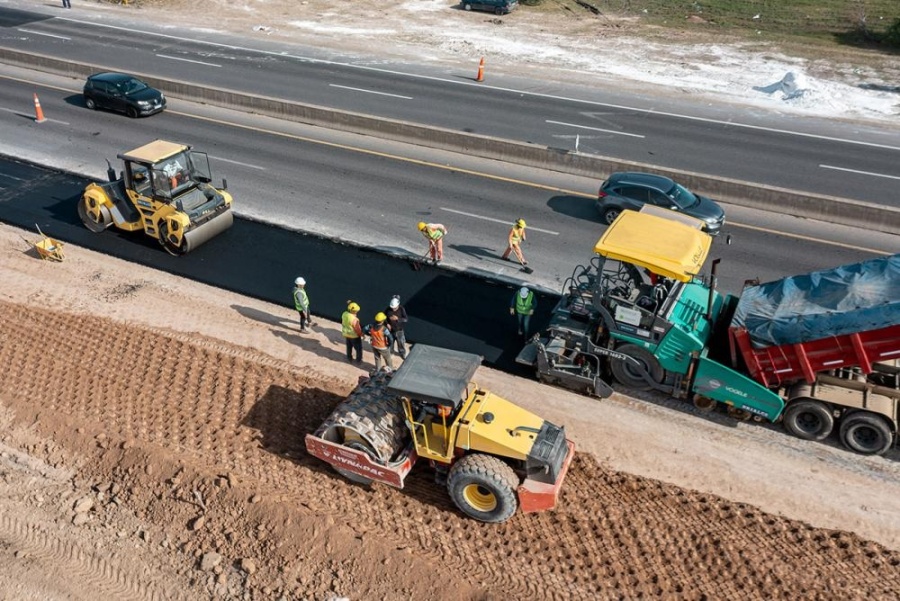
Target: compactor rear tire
{"points": [[866, 433], [809, 420], [625, 374], [172, 249], [484, 488], [87, 217]]}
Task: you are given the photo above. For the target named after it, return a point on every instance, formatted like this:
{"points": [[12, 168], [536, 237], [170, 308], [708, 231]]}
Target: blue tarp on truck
{"points": [[833, 302]]}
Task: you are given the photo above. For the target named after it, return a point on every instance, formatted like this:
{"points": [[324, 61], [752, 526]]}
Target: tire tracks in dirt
{"points": [[81, 568], [234, 410]]}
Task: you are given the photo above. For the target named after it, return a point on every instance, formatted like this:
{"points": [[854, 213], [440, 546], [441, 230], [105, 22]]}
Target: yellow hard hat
{"points": [[422, 225], [379, 317], [353, 307], [520, 222]]}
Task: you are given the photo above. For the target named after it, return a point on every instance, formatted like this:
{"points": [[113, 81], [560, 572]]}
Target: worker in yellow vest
{"points": [[514, 242], [434, 233], [352, 332]]}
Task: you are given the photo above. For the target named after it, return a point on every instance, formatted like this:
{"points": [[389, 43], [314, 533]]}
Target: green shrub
{"points": [[891, 37]]}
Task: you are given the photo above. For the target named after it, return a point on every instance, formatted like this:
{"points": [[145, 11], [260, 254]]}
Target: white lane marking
{"points": [[609, 131], [233, 162], [187, 60], [334, 85], [860, 172], [49, 35], [499, 89], [12, 177], [32, 116], [503, 221]]}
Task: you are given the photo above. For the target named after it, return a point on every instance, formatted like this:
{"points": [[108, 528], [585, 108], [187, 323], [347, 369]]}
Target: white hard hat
{"points": [[300, 282], [523, 291], [395, 302]]}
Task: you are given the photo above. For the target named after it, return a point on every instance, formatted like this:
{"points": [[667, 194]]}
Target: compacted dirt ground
{"points": [[151, 447]]}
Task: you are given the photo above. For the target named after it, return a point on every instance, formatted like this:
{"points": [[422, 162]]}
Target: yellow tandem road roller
{"points": [[492, 455], [165, 190]]}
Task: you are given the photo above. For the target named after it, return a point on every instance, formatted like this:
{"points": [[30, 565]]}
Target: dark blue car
{"points": [[632, 190], [498, 7], [123, 93]]}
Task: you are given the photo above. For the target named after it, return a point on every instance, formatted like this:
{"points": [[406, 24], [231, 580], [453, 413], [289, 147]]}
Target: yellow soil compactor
{"points": [[165, 190], [493, 456]]}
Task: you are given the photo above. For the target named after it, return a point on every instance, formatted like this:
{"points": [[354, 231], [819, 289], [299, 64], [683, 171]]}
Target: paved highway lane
{"points": [[851, 160], [262, 261], [364, 191]]}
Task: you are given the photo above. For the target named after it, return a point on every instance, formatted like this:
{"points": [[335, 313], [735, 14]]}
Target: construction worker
{"points": [[434, 233], [381, 340], [352, 331], [396, 315], [514, 242], [301, 303], [523, 304]]}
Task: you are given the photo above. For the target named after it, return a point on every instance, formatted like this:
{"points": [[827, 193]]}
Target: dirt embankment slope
{"points": [[183, 454]]}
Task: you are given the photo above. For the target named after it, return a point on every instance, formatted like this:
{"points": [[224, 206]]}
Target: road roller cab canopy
{"points": [[154, 152], [667, 243], [168, 170], [435, 375]]}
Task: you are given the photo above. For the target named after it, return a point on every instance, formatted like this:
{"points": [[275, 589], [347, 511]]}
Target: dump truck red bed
{"points": [[775, 365]]}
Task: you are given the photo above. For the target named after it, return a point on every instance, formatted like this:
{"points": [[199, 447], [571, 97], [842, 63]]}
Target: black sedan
{"points": [[632, 190], [124, 93]]}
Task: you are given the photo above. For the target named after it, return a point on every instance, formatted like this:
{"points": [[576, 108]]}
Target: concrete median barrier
{"points": [[767, 198]]}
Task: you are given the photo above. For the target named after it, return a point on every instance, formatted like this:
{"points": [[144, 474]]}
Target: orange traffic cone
{"points": [[38, 112], [480, 76]]}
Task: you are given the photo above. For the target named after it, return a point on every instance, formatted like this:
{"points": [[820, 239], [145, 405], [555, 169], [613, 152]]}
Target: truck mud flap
{"points": [[541, 496], [212, 228], [718, 382], [360, 462]]}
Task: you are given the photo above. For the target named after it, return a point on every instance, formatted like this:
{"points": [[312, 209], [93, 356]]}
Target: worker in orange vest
{"points": [[514, 242], [381, 340], [352, 331], [434, 233]]}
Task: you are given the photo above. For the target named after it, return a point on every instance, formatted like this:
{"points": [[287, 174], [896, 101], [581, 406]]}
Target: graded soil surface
{"points": [[146, 458]]}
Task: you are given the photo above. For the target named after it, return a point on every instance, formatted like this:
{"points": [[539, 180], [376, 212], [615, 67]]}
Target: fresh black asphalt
{"points": [[447, 308]]}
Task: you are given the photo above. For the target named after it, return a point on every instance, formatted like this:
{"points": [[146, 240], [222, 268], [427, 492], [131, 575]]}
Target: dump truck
{"points": [[493, 456], [165, 190], [642, 314]]}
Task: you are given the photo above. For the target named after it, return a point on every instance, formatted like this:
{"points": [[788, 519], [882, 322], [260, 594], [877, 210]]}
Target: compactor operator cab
{"points": [[165, 179], [434, 386]]}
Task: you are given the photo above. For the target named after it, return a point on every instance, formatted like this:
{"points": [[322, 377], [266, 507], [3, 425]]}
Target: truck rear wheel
{"points": [[866, 433], [809, 420], [484, 488], [626, 373]]}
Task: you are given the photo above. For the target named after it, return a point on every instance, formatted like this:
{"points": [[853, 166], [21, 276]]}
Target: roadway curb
{"points": [[767, 198]]}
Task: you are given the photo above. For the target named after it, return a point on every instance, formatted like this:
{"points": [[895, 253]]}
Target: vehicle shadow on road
{"points": [[575, 206], [75, 100], [284, 416], [719, 416]]}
